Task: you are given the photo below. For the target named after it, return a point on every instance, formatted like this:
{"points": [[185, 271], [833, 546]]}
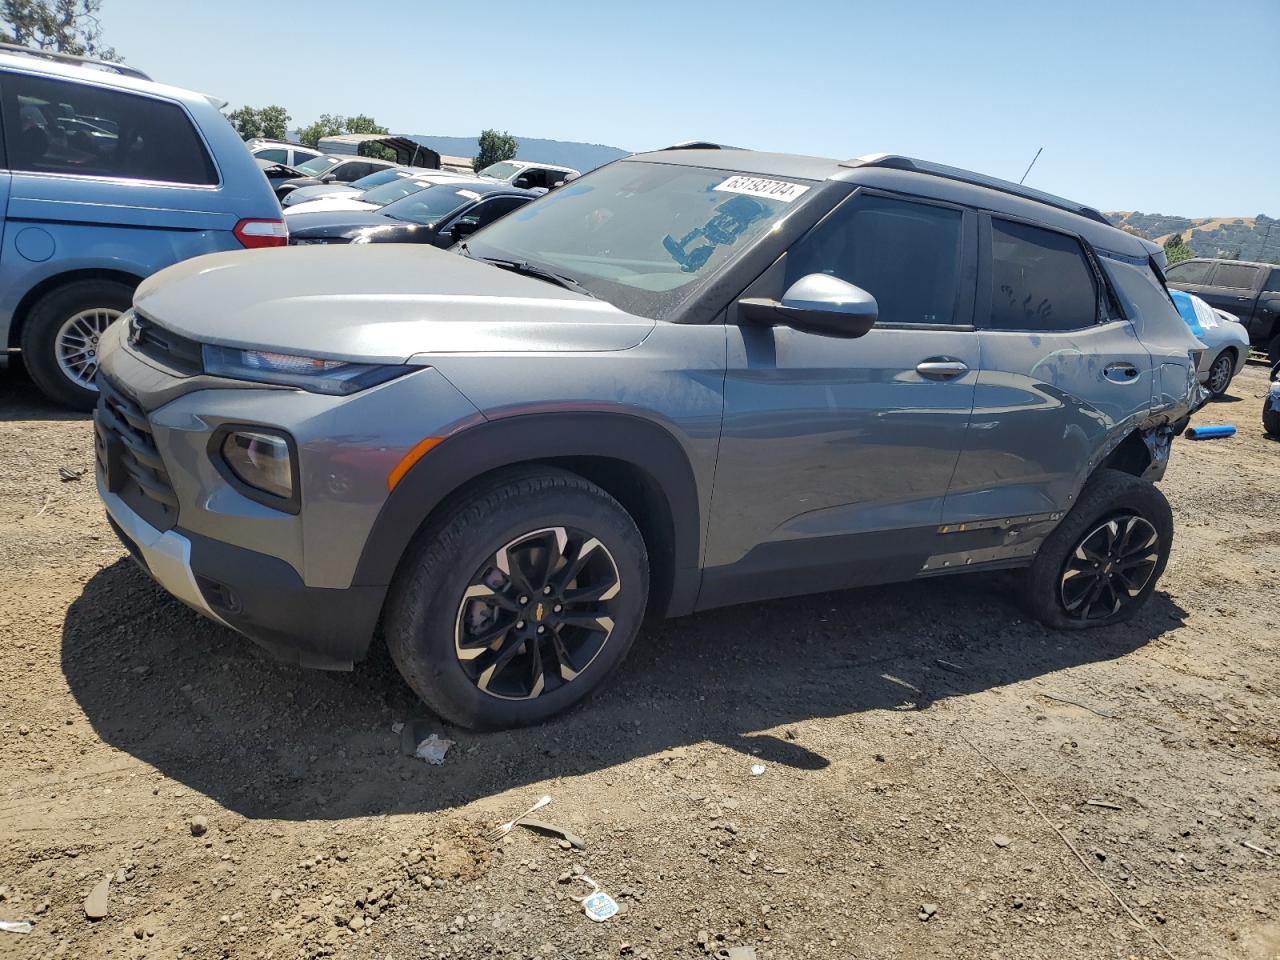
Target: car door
{"points": [[1063, 372], [836, 454], [1233, 287]]}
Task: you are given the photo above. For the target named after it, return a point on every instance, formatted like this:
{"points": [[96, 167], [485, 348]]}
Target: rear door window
{"points": [[1040, 280], [57, 126], [1238, 276], [1192, 271], [275, 156], [905, 254], [1273, 284]]}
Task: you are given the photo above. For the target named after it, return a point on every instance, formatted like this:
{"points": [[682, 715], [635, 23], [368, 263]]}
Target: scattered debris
{"points": [[503, 829], [597, 905], [1210, 432], [948, 665], [539, 826], [1077, 703], [67, 474], [15, 926], [433, 750], [757, 769], [397, 727], [199, 826], [927, 911], [741, 953], [1103, 804], [95, 905], [1256, 849], [1000, 840]]}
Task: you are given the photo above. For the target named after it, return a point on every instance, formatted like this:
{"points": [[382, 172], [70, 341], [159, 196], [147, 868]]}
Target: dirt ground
{"points": [[928, 754]]}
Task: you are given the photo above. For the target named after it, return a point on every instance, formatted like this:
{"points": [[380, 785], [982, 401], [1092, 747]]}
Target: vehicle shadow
{"points": [[268, 740], [20, 399]]}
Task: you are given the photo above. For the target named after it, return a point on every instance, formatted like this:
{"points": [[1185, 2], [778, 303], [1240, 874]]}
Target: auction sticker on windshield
{"points": [[760, 187]]}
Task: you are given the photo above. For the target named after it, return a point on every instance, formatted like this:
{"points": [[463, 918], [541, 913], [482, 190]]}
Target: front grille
{"points": [[176, 352], [127, 455]]}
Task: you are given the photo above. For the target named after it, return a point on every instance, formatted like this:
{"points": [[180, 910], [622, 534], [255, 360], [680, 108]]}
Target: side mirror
{"points": [[816, 303], [463, 228], [524, 181]]}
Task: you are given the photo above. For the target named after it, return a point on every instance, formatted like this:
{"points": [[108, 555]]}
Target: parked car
{"points": [[353, 189], [1251, 291], [378, 196], [328, 168], [529, 175], [441, 213], [277, 173], [1271, 405], [281, 151], [690, 378], [108, 177], [1226, 342]]}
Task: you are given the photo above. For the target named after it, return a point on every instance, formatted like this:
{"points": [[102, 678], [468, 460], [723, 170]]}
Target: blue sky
{"points": [[1168, 107]]}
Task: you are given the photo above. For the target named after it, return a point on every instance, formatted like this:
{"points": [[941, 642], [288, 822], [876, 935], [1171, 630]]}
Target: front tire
{"points": [[1102, 563], [60, 338], [520, 601]]}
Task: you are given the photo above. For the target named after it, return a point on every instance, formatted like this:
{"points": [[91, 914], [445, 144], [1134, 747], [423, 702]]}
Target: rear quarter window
{"points": [[62, 127]]}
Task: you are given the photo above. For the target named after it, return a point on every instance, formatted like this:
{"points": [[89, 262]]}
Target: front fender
{"points": [[541, 437]]}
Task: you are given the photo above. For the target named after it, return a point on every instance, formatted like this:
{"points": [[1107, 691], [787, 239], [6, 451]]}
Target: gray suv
{"points": [[691, 378]]}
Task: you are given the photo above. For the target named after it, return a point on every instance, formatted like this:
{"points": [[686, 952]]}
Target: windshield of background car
{"points": [[393, 191], [431, 204], [641, 235], [502, 171], [317, 165]]}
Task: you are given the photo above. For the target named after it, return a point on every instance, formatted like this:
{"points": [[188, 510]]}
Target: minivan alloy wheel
{"points": [[1109, 567], [537, 613], [76, 344]]}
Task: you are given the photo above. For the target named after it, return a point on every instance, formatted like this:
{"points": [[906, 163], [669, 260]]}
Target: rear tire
{"points": [[59, 338], [1102, 563], [1270, 418], [1221, 373], [487, 647]]}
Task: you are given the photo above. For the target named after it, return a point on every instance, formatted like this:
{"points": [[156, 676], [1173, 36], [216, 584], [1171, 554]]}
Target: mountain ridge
{"points": [[1235, 238]]}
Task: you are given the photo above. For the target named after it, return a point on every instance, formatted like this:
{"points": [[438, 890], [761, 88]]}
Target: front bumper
{"points": [[259, 596]]}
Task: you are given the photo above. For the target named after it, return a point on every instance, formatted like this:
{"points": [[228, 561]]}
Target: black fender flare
{"points": [[544, 437]]}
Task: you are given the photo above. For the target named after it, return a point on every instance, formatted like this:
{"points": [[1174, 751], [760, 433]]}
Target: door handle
{"points": [[941, 368], [1121, 373]]}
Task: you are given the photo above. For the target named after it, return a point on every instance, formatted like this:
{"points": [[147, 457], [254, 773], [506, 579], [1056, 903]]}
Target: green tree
{"points": [[495, 147], [1176, 250], [271, 122], [329, 125], [64, 26], [332, 124]]}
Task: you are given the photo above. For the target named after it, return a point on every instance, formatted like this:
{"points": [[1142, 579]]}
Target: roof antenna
{"points": [[1031, 164]]}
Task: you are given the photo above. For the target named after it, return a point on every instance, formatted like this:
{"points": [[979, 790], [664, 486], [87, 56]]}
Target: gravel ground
{"points": [[929, 760]]}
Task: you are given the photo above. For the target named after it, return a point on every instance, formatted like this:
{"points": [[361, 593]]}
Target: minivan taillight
{"points": [[261, 233]]}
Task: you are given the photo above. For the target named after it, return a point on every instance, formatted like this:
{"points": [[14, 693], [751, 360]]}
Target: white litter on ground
{"points": [[433, 750]]}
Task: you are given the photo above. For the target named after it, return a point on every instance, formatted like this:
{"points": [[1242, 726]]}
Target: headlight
{"points": [[334, 377], [260, 459]]}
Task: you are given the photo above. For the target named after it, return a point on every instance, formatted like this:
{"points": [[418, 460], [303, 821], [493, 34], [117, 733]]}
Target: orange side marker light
{"points": [[419, 450]]}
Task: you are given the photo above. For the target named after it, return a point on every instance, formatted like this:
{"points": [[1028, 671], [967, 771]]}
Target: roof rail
{"points": [[69, 58], [893, 161]]}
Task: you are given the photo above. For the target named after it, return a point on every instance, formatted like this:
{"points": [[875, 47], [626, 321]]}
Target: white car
{"points": [[1225, 339], [355, 188], [376, 197], [281, 151], [525, 173]]}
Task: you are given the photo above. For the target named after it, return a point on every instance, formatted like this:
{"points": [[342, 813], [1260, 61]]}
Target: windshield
{"points": [[502, 171], [641, 235], [317, 165], [389, 192], [380, 177], [431, 204]]}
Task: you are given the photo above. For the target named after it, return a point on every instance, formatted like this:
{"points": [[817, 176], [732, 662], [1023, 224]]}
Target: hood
{"points": [[378, 303], [303, 194], [346, 202], [332, 223]]}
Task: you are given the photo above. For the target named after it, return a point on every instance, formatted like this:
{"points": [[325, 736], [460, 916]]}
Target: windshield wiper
{"points": [[527, 269]]}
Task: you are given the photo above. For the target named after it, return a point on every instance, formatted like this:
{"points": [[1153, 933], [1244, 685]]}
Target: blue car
{"points": [[105, 178]]}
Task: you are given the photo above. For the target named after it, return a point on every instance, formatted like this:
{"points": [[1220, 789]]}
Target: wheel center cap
{"points": [[538, 611]]}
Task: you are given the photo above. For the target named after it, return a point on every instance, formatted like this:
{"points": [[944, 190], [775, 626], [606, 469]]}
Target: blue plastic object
{"points": [[1210, 433]]}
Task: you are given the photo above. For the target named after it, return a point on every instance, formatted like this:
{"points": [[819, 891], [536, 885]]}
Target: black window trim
{"points": [[1107, 306], [97, 178]]}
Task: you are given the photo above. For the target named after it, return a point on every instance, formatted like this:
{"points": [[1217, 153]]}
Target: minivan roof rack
{"points": [[69, 58], [894, 161]]}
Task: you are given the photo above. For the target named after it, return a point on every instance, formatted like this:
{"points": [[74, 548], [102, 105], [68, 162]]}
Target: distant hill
{"points": [[1237, 238], [565, 153]]}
